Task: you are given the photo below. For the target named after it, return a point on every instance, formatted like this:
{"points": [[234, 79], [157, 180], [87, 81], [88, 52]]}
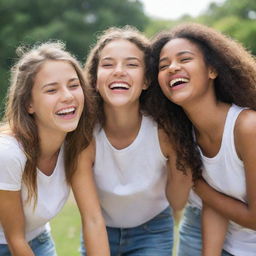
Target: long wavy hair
{"points": [[128, 33], [235, 83], [22, 125]]}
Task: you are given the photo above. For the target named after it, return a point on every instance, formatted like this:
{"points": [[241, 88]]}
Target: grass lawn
{"points": [[66, 228]]}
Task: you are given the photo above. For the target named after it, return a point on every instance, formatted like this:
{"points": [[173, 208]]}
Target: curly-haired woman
{"points": [[208, 81]]}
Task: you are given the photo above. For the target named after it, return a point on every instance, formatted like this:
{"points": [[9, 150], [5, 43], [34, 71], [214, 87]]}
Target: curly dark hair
{"points": [[128, 33], [235, 83]]}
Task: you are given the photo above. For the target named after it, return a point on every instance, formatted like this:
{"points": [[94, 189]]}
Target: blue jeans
{"points": [[190, 243], [42, 245], [153, 238]]}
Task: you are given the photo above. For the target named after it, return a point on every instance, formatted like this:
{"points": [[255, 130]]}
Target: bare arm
{"points": [[214, 228], [12, 220], [178, 184], [245, 213], [84, 189]]}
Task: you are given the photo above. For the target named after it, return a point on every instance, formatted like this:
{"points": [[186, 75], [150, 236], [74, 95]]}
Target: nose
{"points": [[119, 70], [66, 94], [173, 67]]}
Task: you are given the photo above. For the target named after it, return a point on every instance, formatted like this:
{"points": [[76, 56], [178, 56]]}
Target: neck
{"points": [[208, 119], [50, 143], [122, 125]]}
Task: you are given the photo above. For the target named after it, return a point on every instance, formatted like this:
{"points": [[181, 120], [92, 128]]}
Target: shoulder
{"points": [[246, 123], [245, 133], [10, 150], [165, 143], [12, 163], [88, 154]]}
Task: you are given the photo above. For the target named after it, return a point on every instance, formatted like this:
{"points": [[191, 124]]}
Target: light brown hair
{"points": [[128, 33], [22, 125]]}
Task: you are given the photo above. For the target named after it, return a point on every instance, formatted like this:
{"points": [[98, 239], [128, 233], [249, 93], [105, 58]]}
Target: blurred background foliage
{"points": [[77, 23]]}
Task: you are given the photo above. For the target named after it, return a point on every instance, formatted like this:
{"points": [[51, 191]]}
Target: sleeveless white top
{"points": [[131, 182], [225, 173]]}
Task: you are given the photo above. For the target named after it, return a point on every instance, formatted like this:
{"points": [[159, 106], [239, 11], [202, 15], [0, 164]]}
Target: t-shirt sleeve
{"points": [[12, 162]]}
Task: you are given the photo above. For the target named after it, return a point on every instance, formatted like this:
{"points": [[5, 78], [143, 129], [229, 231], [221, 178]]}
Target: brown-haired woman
{"points": [[209, 82], [130, 155], [48, 121]]}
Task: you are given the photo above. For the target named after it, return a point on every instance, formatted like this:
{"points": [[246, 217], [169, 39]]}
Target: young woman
{"points": [[209, 83], [48, 121], [129, 155]]}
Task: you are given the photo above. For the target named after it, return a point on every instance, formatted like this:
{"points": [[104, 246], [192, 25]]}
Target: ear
{"points": [[145, 85], [30, 108], [212, 73]]}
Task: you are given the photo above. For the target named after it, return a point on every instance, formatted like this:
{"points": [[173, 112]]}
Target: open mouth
{"points": [[66, 111], [119, 86], [178, 81]]}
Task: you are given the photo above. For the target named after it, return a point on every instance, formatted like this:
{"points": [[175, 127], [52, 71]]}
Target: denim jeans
{"points": [[190, 243], [42, 245], [153, 238]]}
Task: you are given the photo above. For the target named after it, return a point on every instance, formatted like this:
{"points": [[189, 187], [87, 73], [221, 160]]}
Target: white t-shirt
{"points": [[53, 190], [131, 181]]}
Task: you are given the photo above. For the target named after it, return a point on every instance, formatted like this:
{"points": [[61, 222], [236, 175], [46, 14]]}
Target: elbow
{"points": [[176, 205], [177, 208], [249, 221]]}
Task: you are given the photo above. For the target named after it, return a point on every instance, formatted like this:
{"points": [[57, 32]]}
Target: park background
{"points": [[77, 23]]}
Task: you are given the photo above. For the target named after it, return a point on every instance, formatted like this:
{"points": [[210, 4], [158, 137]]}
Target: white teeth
{"points": [[119, 85], [66, 111], [185, 80]]}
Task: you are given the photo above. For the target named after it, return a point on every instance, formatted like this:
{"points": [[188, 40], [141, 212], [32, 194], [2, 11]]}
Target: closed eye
{"points": [[51, 91], [73, 86], [132, 65], [107, 65], [162, 67], [186, 59]]}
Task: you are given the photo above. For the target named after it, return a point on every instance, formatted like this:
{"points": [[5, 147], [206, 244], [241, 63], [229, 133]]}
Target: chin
{"points": [[69, 128]]}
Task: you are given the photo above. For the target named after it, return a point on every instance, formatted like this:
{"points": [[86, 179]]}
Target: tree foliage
{"points": [[236, 18], [76, 22]]}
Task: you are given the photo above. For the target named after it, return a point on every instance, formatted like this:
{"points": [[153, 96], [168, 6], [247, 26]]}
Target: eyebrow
{"points": [[54, 83], [178, 54], [128, 58]]}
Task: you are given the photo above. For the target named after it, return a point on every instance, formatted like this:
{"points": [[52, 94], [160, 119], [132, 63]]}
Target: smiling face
{"points": [[121, 73], [57, 98], [183, 74]]}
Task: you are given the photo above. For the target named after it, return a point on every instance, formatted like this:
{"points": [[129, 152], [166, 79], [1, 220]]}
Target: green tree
{"points": [[236, 18], [76, 22]]}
